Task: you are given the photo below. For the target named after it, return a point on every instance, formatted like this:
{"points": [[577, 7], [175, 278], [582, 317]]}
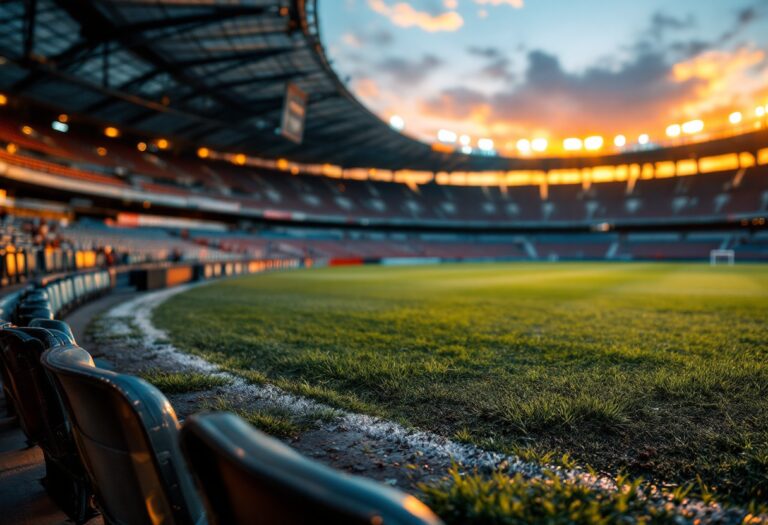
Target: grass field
{"points": [[659, 370]]}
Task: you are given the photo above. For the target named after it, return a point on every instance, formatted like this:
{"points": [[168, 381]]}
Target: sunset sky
{"points": [[512, 69]]}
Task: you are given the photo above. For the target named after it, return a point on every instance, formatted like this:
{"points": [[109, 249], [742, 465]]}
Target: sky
{"points": [[524, 69]]}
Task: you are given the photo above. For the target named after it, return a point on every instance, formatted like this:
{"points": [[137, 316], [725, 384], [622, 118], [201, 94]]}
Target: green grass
{"points": [[658, 370], [182, 382], [500, 500]]}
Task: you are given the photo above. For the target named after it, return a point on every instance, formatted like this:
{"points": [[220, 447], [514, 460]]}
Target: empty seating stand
{"points": [[248, 478]]}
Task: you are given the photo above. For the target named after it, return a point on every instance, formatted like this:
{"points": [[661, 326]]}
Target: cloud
{"points": [[498, 64], [366, 88], [410, 72], [600, 99], [723, 78], [517, 4], [378, 38], [403, 14]]}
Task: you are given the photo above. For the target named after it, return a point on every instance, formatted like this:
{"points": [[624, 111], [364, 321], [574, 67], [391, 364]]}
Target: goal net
{"points": [[722, 257]]}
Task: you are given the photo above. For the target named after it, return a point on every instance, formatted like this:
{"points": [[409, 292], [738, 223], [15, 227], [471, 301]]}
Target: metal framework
{"points": [[213, 73], [207, 72]]}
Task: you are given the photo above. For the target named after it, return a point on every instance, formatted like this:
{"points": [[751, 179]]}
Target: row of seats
{"points": [[113, 445], [722, 194]]}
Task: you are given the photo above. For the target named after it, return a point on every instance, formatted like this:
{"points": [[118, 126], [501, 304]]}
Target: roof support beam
{"points": [[30, 17]]}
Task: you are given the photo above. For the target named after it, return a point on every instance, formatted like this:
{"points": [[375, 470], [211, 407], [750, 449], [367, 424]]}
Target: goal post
{"points": [[717, 257]]}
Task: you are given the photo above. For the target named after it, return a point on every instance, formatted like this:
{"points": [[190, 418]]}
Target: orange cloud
{"points": [[366, 88], [404, 15], [724, 78]]}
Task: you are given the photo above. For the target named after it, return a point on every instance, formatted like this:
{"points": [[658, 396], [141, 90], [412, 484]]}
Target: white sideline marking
{"points": [[469, 456]]}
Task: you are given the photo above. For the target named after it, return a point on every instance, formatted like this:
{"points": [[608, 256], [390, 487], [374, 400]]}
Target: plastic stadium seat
{"points": [[248, 478], [55, 326], [42, 415], [127, 434]]}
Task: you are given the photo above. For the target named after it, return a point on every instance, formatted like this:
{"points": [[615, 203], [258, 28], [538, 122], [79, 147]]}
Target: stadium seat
{"points": [[248, 478], [55, 326], [127, 434], [42, 416]]}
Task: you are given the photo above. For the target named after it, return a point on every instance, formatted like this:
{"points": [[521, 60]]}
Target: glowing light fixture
{"points": [[539, 144], [760, 111], [239, 159], [466, 150], [674, 130], [693, 126], [643, 139], [163, 143], [203, 152], [464, 140], [111, 132], [397, 122], [3, 99], [446, 136], [485, 144], [620, 141], [27, 130], [593, 143], [101, 151], [64, 118], [572, 144], [523, 146], [735, 117], [141, 146], [11, 148], [59, 126]]}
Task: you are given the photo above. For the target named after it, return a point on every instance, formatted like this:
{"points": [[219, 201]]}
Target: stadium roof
{"points": [[213, 73], [205, 71]]}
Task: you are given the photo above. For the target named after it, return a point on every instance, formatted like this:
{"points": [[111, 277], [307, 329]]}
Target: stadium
{"points": [[289, 261]]}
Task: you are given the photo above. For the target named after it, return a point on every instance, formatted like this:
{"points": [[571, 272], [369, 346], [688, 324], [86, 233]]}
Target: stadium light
{"points": [[397, 122], [674, 130], [539, 144], [64, 118], [643, 139], [593, 143], [239, 159], [693, 126], [163, 143], [572, 144], [446, 136], [141, 146], [466, 150], [11, 148], [760, 111], [111, 132], [61, 127], [523, 146], [27, 130], [464, 140], [735, 117], [3, 99], [101, 151], [203, 153], [485, 144], [620, 141]]}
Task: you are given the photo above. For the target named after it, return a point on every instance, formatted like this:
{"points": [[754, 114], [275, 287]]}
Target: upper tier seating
{"points": [[712, 195]]}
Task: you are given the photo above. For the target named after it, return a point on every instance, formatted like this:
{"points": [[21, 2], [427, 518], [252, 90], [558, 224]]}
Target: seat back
{"points": [[127, 433], [55, 326], [42, 415], [249, 478], [33, 395]]}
